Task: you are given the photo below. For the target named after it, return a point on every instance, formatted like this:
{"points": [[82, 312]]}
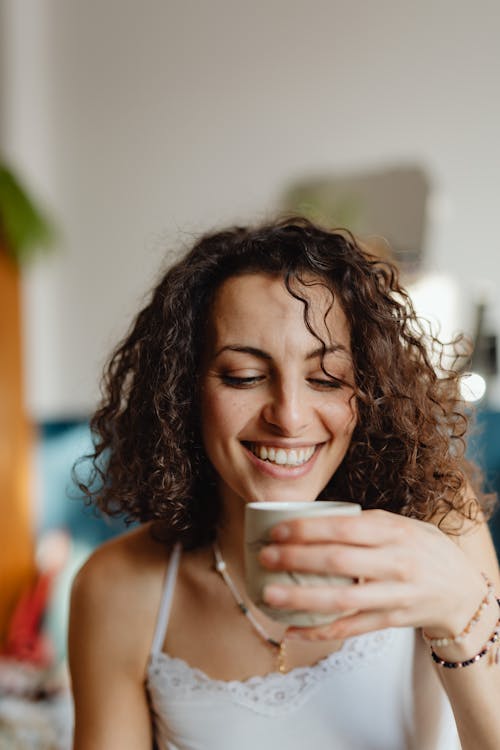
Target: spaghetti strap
{"points": [[166, 599]]}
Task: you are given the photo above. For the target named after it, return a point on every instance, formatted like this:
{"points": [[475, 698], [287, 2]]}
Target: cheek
{"points": [[342, 417], [221, 415], [210, 415], [347, 420], [352, 414]]}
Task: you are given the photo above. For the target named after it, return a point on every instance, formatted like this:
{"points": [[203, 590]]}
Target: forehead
{"points": [[260, 306]]}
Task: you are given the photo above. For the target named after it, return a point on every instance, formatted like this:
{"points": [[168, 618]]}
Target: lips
{"points": [[280, 456]]}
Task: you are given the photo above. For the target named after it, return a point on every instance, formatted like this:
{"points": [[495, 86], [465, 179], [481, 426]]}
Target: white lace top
{"points": [[379, 692]]}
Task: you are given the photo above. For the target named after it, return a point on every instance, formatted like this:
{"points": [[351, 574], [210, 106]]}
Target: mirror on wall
{"points": [[386, 207]]}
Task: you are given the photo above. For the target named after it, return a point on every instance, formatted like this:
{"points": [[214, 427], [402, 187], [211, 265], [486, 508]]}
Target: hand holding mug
{"points": [[260, 518]]}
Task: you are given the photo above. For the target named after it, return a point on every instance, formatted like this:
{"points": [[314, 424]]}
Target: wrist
{"points": [[474, 645], [455, 633]]}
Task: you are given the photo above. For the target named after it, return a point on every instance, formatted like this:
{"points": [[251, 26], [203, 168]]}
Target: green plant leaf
{"points": [[24, 230]]}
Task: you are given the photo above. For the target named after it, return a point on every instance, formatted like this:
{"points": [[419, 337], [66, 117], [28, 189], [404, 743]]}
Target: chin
{"points": [[281, 497]]}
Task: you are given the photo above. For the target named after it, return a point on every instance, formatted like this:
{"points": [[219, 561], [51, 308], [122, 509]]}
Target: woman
{"points": [[284, 363]]}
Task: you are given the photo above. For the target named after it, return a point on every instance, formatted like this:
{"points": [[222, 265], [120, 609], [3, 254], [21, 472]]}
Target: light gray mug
{"points": [[259, 519]]}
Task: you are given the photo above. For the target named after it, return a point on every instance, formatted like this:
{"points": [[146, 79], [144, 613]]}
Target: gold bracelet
{"points": [[474, 619]]}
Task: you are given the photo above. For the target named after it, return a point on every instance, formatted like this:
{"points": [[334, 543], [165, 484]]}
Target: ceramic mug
{"points": [[259, 519]]}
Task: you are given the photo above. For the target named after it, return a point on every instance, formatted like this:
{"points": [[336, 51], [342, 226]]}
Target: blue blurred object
{"points": [[484, 448], [62, 507], [62, 503]]}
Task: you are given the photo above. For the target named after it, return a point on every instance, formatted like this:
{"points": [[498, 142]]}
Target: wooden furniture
{"points": [[16, 521]]}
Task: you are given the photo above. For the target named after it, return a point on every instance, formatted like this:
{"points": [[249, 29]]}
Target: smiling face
{"points": [[275, 426]]}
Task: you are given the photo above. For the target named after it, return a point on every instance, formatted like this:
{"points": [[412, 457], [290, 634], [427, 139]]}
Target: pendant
{"points": [[282, 657], [495, 655]]}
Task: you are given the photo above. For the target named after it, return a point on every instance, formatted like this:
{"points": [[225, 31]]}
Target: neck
{"points": [[230, 535]]}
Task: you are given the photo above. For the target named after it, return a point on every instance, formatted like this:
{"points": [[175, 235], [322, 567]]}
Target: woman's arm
{"points": [[474, 691], [414, 575], [106, 657]]}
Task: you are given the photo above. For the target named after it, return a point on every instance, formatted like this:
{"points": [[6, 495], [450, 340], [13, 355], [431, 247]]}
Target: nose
{"points": [[287, 410]]}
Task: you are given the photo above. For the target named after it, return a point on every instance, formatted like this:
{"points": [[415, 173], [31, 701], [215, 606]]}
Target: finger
{"points": [[338, 559], [369, 528], [349, 626], [340, 599]]}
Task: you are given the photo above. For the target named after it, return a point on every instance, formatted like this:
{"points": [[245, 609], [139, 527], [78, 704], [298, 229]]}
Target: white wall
{"points": [[140, 122]]}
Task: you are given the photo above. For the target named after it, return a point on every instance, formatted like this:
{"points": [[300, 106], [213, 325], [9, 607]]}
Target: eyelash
{"points": [[328, 384], [235, 382]]}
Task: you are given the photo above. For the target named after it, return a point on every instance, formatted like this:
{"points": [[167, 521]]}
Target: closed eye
{"points": [[326, 383], [238, 382]]}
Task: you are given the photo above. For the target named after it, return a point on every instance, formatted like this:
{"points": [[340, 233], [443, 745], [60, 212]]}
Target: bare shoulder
{"points": [[476, 542], [473, 536], [130, 556], [117, 591], [114, 604]]}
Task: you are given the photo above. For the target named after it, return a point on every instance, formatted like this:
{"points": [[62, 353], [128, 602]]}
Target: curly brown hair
{"points": [[407, 450]]}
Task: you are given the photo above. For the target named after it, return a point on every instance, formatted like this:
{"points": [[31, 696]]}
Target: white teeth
{"points": [[283, 457]]}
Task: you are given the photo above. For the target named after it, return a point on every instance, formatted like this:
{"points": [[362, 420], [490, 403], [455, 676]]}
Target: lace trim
{"points": [[270, 694]]}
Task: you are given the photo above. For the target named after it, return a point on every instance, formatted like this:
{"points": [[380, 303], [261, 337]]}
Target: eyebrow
{"points": [[260, 354]]}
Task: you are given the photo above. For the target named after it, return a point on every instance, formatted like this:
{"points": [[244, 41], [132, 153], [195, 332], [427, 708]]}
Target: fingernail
{"points": [[294, 635], [274, 595], [280, 532], [303, 634], [269, 555], [299, 634]]}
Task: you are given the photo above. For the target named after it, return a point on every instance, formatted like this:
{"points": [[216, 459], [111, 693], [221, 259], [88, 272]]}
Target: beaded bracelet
{"points": [[494, 638], [473, 620]]}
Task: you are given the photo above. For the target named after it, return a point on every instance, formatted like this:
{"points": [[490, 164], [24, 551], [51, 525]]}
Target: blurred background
{"points": [[126, 128]]}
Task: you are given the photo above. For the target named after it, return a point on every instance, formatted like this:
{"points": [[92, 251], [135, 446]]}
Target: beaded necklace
{"points": [[278, 646]]}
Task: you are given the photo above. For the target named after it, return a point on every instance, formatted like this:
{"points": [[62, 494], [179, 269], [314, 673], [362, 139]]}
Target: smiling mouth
{"points": [[282, 456]]}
